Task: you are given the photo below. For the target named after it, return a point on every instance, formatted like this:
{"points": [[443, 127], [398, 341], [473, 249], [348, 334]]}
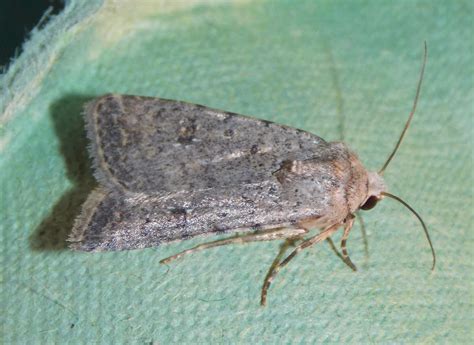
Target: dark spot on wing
{"points": [[254, 149], [229, 116], [179, 216], [158, 114], [186, 133], [272, 190], [266, 123], [178, 211], [229, 133]]}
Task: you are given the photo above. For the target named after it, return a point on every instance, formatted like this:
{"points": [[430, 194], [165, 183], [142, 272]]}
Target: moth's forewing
{"points": [[171, 170], [152, 145]]}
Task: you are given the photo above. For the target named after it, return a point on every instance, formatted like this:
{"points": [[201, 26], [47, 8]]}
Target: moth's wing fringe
{"points": [[81, 222], [92, 147], [89, 113]]}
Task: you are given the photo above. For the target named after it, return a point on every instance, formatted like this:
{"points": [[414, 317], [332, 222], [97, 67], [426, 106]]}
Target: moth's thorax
{"points": [[357, 182], [333, 180], [364, 184]]}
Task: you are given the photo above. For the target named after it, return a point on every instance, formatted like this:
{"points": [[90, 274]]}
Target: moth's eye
{"points": [[370, 203]]}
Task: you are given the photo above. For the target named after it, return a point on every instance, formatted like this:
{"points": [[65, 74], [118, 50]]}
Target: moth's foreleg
{"points": [[262, 235], [347, 229], [305, 244]]}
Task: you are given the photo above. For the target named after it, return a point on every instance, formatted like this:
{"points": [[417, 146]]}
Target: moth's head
{"points": [[376, 188]]}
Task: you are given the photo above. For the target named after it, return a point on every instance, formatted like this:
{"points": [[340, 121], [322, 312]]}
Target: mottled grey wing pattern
{"points": [[172, 170], [148, 145]]}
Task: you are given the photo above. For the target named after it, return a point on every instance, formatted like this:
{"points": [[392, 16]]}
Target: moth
{"points": [[170, 170]]}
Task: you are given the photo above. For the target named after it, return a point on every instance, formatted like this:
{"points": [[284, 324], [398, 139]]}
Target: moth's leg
{"points": [[305, 244], [263, 235], [364, 234], [347, 229], [284, 247], [333, 247]]}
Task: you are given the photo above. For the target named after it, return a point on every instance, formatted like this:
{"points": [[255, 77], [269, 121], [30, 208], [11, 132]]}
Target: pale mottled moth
{"points": [[170, 170]]}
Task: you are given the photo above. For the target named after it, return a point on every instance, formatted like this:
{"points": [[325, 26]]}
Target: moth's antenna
{"points": [[407, 124], [421, 221]]}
